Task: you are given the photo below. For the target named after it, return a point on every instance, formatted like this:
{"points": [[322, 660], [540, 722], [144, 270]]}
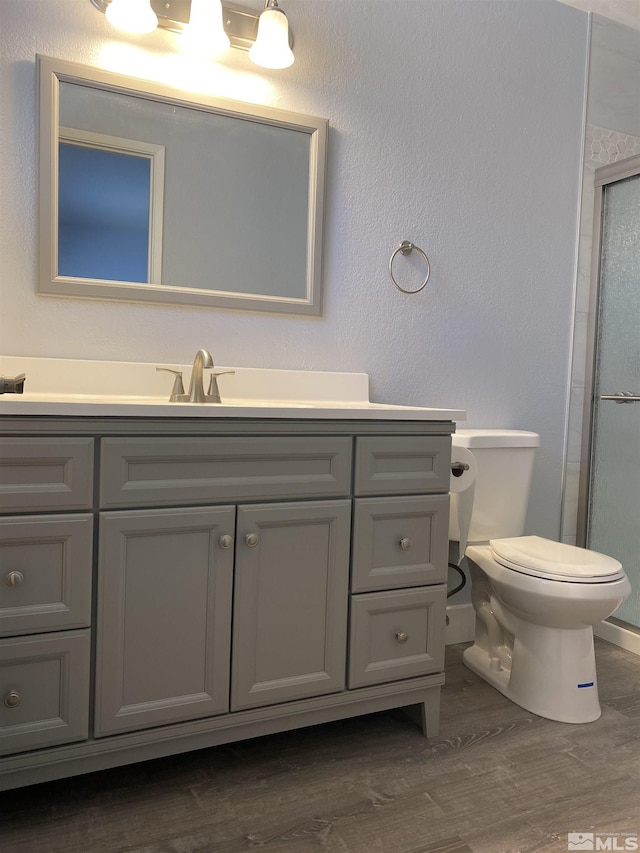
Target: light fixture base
{"points": [[241, 25]]}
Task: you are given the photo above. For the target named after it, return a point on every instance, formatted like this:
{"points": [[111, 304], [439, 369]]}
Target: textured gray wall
{"points": [[456, 124]]}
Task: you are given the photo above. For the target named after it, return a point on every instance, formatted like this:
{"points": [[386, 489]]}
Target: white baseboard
{"points": [[619, 636], [461, 623]]}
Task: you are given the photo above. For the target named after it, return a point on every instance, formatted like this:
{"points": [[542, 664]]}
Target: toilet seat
{"points": [[555, 561]]}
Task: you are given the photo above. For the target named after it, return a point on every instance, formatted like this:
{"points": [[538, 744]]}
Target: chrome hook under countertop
{"points": [[12, 385]]}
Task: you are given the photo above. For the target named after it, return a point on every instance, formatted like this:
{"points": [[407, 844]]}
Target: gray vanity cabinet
{"points": [[290, 603], [172, 584], [165, 580]]}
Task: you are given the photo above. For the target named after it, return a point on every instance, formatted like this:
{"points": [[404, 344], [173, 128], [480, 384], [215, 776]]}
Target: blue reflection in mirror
{"points": [[103, 214]]}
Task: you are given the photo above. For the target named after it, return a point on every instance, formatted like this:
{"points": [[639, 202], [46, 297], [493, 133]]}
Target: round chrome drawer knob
{"points": [[251, 540], [405, 544], [225, 541], [12, 699], [14, 579], [401, 637]]}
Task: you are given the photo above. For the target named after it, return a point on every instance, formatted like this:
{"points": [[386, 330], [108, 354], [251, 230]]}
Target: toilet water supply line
{"points": [[462, 583], [457, 469]]}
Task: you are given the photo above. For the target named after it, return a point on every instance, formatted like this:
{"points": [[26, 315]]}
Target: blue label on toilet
{"points": [[587, 684]]}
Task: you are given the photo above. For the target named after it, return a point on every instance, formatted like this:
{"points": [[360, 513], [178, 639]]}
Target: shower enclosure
{"points": [[609, 511]]}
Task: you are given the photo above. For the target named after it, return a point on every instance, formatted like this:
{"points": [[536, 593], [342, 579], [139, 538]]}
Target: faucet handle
{"points": [[177, 392], [213, 394]]}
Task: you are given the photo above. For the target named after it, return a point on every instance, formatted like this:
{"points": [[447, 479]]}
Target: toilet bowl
{"points": [[535, 600], [539, 650]]}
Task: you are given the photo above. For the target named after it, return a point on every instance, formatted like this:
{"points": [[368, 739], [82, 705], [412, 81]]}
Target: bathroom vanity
{"points": [[188, 578]]}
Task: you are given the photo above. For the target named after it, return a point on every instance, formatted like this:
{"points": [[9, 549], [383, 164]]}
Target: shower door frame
{"points": [[603, 176]]}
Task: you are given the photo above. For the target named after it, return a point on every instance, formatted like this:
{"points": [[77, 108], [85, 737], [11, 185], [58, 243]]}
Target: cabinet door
{"points": [[164, 616], [290, 602]]}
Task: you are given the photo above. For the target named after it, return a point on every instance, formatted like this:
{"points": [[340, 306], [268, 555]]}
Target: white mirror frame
{"points": [[51, 72]]}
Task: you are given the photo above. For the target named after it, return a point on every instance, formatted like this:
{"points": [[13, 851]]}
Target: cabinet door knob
{"points": [[405, 544], [251, 540], [12, 699], [225, 541], [14, 579], [401, 637]]}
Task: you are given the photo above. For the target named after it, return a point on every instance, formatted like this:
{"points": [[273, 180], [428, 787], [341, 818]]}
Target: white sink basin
{"points": [[137, 389]]}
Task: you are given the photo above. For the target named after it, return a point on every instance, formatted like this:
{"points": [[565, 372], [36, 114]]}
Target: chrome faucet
{"points": [[196, 393], [196, 386]]}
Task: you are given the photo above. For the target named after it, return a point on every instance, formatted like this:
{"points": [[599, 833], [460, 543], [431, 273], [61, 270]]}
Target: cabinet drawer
{"points": [[42, 474], [45, 575], [399, 542], [165, 471], [44, 690], [396, 635], [387, 465]]}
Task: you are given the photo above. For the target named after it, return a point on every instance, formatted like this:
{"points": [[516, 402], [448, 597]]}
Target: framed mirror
{"points": [[150, 195]]}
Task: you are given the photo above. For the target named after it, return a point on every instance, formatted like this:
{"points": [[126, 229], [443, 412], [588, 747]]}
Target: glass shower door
{"points": [[614, 507]]}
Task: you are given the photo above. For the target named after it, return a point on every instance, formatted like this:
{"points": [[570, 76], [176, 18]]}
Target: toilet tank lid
{"points": [[495, 438]]}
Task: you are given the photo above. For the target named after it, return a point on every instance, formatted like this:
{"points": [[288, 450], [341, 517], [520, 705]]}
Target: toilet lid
{"points": [[533, 555]]}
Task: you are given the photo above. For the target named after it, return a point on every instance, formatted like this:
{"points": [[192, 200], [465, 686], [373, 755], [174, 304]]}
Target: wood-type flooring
{"points": [[496, 780]]}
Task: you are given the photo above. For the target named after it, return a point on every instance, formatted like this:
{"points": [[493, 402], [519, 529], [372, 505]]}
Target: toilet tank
{"points": [[501, 491]]}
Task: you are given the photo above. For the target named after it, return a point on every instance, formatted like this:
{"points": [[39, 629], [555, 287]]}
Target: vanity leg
{"points": [[431, 713], [426, 715]]}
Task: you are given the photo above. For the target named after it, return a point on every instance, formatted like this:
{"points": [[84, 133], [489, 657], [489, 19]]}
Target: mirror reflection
{"points": [[108, 226], [156, 198]]}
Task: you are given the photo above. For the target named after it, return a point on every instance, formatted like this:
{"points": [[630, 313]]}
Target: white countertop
{"points": [[135, 389]]}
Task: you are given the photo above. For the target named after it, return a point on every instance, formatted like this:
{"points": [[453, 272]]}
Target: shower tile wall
{"points": [[608, 146], [612, 134], [602, 146]]}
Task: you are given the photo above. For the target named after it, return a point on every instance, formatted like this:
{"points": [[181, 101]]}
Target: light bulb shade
{"points": [[205, 32], [132, 16], [271, 48]]}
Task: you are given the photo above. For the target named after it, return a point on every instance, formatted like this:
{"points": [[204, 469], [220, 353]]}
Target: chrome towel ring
{"points": [[406, 248]]}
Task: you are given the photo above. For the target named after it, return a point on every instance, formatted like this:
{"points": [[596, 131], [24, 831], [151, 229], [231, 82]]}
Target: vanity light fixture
{"points": [[205, 33], [132, 16], [210, 23], [271, 47]]}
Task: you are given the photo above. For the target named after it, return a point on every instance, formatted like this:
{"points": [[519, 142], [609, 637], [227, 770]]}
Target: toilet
{"points": [[535, 600]]}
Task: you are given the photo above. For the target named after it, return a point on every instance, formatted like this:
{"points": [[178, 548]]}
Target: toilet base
{"points": [[552, 674]]}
